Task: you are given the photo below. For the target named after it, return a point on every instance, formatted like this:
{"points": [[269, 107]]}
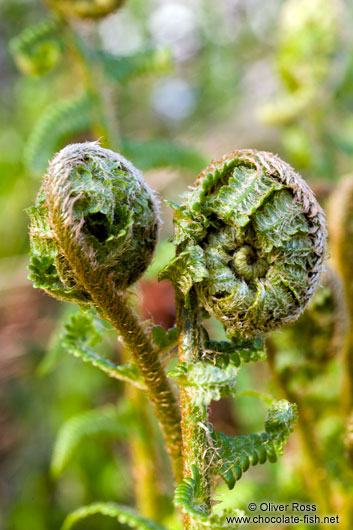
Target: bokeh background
{"points": [[274, 75]]}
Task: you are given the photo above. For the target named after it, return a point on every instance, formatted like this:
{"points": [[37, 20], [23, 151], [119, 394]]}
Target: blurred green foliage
{"points": [[187, 81]]}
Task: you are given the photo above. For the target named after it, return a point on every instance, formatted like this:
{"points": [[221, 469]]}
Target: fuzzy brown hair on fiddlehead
{"points": [[86, 8], [93, 210], [251, 242]]}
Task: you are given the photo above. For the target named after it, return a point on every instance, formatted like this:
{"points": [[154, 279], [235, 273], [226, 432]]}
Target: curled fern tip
{"points": [[251, 241]]}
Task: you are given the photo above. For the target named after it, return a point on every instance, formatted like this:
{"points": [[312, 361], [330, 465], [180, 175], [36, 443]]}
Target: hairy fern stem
{"points": [[115, 309], [193, 415]]}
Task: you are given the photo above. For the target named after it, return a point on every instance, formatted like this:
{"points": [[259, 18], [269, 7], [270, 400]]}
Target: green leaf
{"points": [[210, 382], [245, 192], [55, 350], [81, 333], [165, 340], [234, 455], [188, 495], [123, 514], [83, 328], [104, 421], [152, 154], [223, 353], [281, 417], [43, 273], [186, 269], [250, 349], [60, 122]]}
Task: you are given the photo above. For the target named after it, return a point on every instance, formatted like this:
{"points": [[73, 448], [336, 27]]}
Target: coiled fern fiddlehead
{"points": [[93, 231], [250, 239]]}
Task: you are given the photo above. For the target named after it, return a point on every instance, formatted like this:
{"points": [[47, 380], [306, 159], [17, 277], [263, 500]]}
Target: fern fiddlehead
{"points": [[37, 49], [93, 231], [250, 242]]}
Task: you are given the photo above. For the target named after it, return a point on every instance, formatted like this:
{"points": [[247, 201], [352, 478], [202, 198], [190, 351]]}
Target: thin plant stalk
{"points": [[193, 416]]}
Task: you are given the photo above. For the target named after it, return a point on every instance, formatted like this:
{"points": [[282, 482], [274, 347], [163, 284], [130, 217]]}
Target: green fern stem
{"points": [[193, 414], [318, 481]]}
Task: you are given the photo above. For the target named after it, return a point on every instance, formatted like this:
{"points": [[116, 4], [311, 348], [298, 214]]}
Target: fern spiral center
{"points": [[251, 241], [247, 264]]}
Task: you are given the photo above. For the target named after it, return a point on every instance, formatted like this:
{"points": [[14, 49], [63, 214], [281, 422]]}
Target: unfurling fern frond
{"points": [[251, 242], [233, 456], [108, 421], [82, 333], [98, 221], [308, 39], [122, 514], [38, 48], [188, 495], [60, 122]]}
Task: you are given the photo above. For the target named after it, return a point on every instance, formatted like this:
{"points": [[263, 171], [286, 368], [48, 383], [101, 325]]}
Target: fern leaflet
{"points": [[104, 421], [164, 340], [80, 334], [57, 124], [123, 514], [189, 497], [233, 456]]}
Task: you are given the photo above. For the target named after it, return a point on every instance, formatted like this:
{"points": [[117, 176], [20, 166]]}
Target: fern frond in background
{"points": [[81, 334], [122, 514], [60, 122], [38, 48], [107, 421]]}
